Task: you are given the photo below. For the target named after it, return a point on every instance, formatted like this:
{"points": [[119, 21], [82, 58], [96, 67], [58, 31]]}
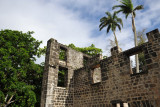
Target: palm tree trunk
{"points": [[115, 39], [136, 44]]}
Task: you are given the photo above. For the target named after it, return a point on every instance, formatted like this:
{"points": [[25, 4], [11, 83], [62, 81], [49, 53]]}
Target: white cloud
{"points": [[73, 21], [149, 17], [48, 20]]}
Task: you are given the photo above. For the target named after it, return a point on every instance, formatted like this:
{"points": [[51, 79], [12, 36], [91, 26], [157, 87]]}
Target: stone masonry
{"points": [[98, 82]]}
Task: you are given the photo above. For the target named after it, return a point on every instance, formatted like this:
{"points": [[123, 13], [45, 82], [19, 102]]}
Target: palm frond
{"points": [[126, 6], [102, 24], [114, 15], [120, 21], [127, 15], [109, 14], [119, 11], [129, 1], [117, 6], [103, 19], [119, 27], [110, 22], [101, 27], [125, 2], [113, 27], [108, 28], [139, 7], [125, 9]]}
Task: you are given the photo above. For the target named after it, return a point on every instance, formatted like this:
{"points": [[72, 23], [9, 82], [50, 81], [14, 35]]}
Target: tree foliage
{"points": [[111, 22], [127, 8], [19, 75]]}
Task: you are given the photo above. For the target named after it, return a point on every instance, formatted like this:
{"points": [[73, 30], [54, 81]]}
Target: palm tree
{"points": [[111, 22], [126, 7]]}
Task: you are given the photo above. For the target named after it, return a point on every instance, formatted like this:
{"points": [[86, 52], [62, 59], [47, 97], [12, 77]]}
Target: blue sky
{"points": [[75, 21]]}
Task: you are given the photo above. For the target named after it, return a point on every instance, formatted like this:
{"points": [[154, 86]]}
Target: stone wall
{"points": [[52, 95], [106, 82]]}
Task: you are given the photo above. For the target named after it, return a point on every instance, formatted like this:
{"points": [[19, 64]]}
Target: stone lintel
{"points": [[134, 50]]}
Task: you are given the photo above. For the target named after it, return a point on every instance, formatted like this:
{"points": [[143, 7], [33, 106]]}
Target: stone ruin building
{"points": [[96, 82]]}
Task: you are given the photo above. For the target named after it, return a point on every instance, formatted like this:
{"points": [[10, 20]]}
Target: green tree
{"points": [[18, 72], [111, 22], [41, 51], [126, 7], [34, 78]]}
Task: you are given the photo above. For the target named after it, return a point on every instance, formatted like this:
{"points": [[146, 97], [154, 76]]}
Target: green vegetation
{"points": [[91, 50], [20, 77], [62, 54], [61, 78], [111, 22]]}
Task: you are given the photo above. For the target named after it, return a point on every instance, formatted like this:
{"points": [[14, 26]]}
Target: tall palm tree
{"points": [[111, 22], [126, 7]]}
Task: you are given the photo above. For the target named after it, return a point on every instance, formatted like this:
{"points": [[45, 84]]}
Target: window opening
{"points": [[62, 77], [96, 74], [142, 63], [85, 59], [62, 54]]}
